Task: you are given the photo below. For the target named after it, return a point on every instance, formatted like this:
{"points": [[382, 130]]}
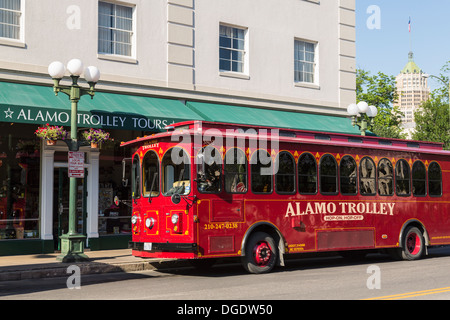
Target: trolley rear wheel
{"points": [[261, 253], [413, 244]]}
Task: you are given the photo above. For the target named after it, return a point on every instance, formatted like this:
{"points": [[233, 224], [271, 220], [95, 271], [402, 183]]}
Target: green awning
{"points": [[272, 118], [34, 104]]}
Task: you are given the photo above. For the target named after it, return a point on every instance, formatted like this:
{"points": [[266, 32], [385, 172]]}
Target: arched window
{"points": [[348, 174], [176, 172], [261, 169], [150, 174], [328, 175], [307, 174], [367, 177], [285, 176], [209, 170], [419, 180], [385, 178], [402, 178], [235, 171], [434, 180]]}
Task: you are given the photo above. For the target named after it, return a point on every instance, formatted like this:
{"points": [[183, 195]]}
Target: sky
{"points": [[385, 43]]}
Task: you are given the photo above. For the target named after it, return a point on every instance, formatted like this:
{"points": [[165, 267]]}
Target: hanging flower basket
{"points": [[95, 136], [51, 134]]}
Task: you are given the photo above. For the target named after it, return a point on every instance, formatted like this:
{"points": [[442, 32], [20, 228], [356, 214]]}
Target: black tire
{"points": [[413, 244], [261, 253]]}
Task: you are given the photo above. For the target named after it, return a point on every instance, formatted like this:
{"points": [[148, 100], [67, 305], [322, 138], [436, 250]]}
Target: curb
{"points": [[90, 268]]}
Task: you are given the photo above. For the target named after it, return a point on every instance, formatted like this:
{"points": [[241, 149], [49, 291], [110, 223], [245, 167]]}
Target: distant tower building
{"points": [[412, 89]]}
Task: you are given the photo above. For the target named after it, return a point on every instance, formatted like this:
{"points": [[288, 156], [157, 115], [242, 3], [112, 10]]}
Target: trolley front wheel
{"points": [[261, 253]]}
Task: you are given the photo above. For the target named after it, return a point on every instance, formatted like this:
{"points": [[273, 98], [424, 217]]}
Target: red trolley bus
{"points": [[208, 190]]}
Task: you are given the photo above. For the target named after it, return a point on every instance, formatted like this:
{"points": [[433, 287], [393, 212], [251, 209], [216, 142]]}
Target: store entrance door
{"points": [[61, 204]]}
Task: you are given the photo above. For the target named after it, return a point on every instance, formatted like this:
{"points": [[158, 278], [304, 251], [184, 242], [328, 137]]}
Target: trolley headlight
{"points": [[134, 219], [150, 223], [175, 218]]}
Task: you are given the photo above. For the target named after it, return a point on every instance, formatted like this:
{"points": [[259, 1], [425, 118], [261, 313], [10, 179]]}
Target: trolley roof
{"points": [[294, 136]]}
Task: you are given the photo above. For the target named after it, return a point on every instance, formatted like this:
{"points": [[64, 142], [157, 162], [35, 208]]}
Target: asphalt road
{"points": [[324, 278]]}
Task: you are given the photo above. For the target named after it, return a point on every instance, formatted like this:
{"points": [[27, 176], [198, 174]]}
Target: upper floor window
{"points": [[305, 61], [10, 19], [115, 29], [232, 49]]}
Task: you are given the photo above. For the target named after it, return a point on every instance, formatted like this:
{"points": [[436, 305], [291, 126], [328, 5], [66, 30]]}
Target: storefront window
{"points": [[114, 220], [19, 176]]}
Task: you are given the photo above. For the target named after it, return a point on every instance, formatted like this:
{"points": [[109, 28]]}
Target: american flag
{"points": [[409, 24]]}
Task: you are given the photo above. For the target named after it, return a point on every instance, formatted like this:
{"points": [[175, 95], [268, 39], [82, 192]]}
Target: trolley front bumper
{"points": [[162, 247]]}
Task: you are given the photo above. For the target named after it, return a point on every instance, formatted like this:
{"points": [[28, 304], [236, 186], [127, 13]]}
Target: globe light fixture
{"points": [[92, 74], [75, 67], [56, 70], [359, 113]]}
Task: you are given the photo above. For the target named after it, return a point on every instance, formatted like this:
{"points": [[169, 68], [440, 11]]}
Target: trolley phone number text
{"points": [[220, 226]]}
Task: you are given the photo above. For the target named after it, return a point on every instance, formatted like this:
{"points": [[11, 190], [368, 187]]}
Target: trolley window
{"points": [[419, 179], [328, 175], [402, 178], [150, 174], [307, 174], [434, 179], [235, 171], [385, 178], [367, 177], [176, 172], [209, 170], [261, 170], [285, 175], [348, 176]]}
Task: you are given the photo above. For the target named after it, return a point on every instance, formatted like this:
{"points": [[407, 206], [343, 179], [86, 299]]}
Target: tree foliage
{"points": [[433, 117], [380, 91]]}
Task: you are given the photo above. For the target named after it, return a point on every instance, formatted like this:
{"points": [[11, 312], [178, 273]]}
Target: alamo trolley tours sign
{"points": [[123, 121]]}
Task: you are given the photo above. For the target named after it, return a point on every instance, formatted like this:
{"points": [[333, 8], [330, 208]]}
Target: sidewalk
{"points": [[46, 265]]}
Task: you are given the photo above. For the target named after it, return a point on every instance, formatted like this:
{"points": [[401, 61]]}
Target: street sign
{"points": [[76, 164]]}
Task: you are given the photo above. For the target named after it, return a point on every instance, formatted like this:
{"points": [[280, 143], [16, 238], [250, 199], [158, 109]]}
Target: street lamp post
{"points": [[357, 112], [72, 243]]}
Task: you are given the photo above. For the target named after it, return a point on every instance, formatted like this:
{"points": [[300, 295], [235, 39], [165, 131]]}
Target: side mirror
{"points": [[176, 198]]}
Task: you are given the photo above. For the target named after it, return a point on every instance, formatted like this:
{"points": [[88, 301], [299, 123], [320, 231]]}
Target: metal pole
{"points": [[72, 248]]}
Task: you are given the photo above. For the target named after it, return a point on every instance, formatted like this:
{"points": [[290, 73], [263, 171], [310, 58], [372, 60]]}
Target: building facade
{"points": [[161, 61], [412, 90]]}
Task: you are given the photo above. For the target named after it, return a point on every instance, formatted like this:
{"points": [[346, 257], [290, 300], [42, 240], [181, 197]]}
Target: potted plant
{"points": [[95, 136], [51, 134]]}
